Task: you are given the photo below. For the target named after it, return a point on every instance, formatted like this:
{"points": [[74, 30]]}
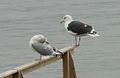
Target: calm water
{"points": [[96, 58]]}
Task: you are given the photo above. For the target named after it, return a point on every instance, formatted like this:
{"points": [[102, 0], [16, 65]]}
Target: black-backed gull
{"points": [[77, 28]]}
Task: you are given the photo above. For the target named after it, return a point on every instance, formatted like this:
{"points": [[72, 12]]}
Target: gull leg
{"points": [[76, 40], [79, 41], [40, 57]]}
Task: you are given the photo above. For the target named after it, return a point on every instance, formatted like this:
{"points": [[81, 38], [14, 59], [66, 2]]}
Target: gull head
{"points": [[67, 19], [39, 39]]}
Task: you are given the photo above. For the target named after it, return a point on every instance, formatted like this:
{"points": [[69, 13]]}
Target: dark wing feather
{"points": [[79, 27]]}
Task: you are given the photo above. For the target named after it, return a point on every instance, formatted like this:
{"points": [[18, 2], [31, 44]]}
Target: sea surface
{"points": [[95, 58]]}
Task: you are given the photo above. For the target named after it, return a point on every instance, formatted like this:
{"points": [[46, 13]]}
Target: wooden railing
{"points": [[68, 65]]}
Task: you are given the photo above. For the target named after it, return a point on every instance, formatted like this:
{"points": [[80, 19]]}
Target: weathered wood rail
{"points": [[68, 65]]}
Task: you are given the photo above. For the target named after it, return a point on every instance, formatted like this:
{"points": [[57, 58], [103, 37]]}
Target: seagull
{"points": [[78, 29], [40, 44]]}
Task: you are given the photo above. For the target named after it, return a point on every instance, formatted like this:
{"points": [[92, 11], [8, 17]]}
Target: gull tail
{"points": [[57, 52], [93, 34]]}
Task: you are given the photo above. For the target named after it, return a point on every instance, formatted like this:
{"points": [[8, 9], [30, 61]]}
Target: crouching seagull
{"points": [[40, 44], [78, 29]]}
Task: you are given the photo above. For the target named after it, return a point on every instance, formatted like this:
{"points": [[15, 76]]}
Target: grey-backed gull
{"points": [[40, 44]]}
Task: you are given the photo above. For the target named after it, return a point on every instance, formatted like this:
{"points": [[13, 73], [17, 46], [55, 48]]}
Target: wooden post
{"points": [[72, 67], [68, 66], [17, 75]]}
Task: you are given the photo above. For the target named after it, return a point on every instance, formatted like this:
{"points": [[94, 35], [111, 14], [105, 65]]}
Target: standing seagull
{"points": [[40, 44], [77, 28]]}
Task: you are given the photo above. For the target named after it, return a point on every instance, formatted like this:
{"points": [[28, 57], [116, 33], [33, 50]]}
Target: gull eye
{"points": [[65, 17]]}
